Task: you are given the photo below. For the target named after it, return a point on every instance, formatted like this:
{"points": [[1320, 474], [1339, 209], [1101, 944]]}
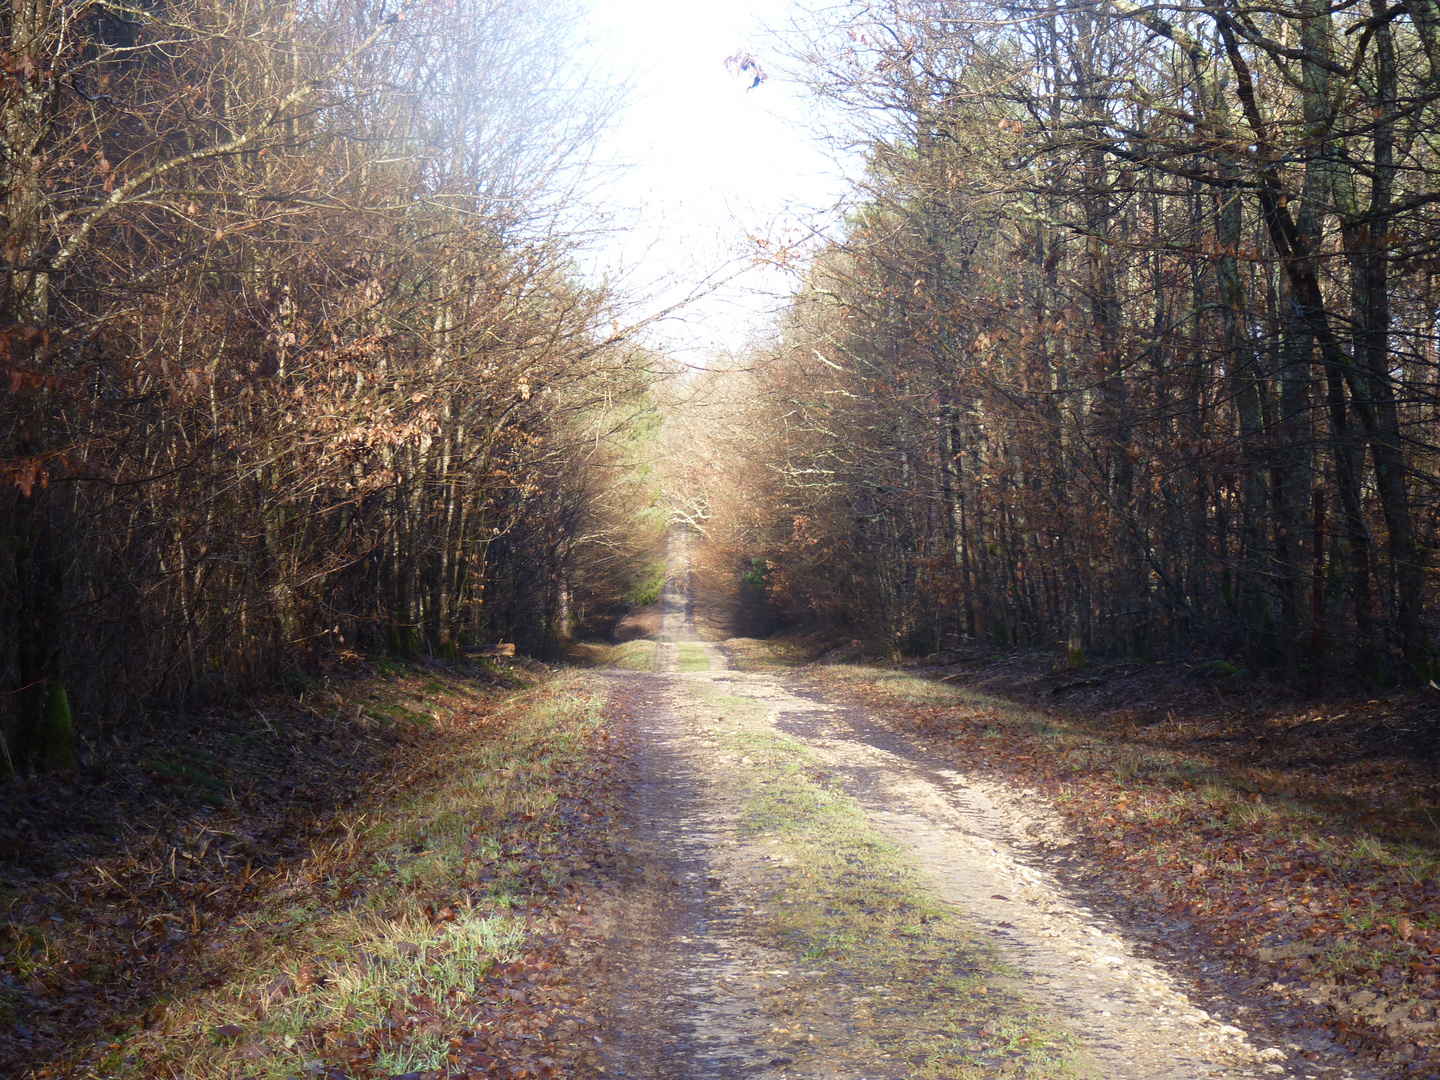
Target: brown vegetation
{"points": [[1129, 343], [295, 357]]}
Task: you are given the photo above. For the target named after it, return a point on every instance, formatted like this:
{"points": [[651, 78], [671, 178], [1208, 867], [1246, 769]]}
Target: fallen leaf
{"points": [[277, 990], [308, 976]]}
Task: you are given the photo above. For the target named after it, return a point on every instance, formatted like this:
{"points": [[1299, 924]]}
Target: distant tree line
{"points": [[1129, 343], [296, 359]]}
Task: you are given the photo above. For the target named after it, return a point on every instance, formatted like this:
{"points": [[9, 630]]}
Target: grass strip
{"points": [[691, 657]]}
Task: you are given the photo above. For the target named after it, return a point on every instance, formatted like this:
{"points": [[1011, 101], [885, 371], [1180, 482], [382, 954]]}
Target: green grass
{"points": [[348, 965], [638, 655], [690, 657], [756, 654]]}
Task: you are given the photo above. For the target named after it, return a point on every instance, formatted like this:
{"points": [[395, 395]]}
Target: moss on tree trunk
{"points": [[55, 745]]}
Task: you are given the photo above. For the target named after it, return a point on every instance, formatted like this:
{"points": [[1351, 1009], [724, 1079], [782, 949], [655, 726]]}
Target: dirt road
{"points": [[816, 895]]}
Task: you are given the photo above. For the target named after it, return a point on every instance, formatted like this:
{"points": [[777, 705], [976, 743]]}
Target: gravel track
{"points": [[700, 989]]}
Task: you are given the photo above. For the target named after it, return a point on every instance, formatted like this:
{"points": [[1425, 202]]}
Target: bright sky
{"points": [[710, 160]]}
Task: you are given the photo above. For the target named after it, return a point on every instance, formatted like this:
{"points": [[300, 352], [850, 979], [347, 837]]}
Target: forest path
{"points": [[754, 943]]}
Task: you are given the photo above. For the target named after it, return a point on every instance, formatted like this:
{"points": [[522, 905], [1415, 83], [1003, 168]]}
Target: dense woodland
{"points": [[297, 358], [1128, 345]]}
